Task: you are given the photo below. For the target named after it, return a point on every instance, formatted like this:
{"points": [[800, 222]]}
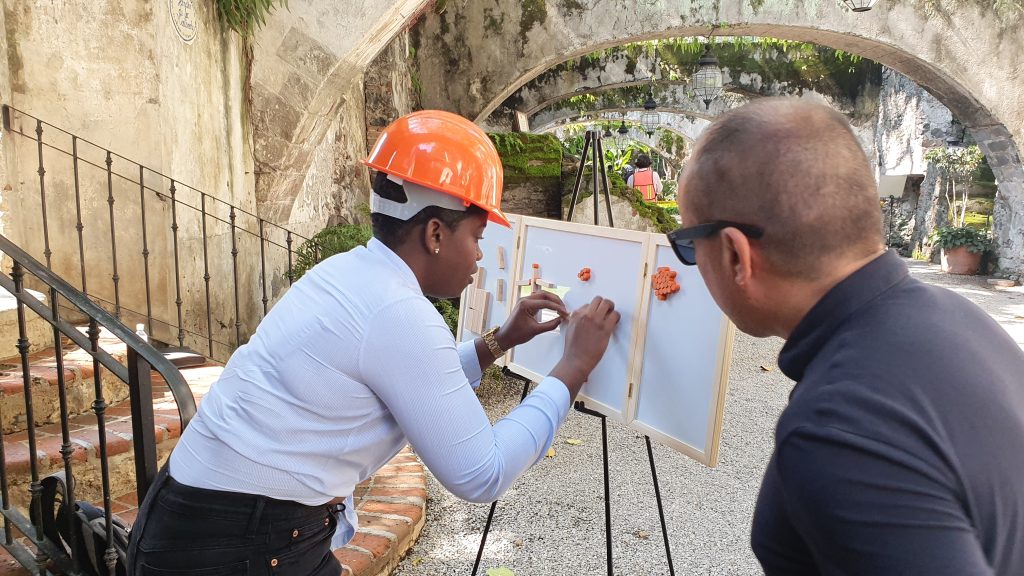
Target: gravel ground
{"points": [[552, 520]]}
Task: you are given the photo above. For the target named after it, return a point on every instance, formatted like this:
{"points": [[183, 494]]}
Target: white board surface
{"points": [[681, 375], [616, 261]]}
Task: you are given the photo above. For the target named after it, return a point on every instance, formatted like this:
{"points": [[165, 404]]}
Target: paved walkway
{"points": [[552, 521]]}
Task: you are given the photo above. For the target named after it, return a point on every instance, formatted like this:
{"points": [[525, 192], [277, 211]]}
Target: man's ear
{"points": [[736, 255]]}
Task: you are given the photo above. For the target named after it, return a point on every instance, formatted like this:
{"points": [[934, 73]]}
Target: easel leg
{"points": [[604, 182], [661, 510], [580, 407], [579, 175], [494, 505]]}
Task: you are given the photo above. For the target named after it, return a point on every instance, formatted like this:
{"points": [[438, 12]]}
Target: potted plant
{"points": [[962, 248], [962, 245]]}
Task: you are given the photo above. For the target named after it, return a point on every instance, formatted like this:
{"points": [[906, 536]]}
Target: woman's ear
{"points": [[433, 235]]}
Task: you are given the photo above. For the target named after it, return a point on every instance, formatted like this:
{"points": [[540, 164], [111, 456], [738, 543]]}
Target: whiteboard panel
{"points": [[495, 235], [616, 261], [682, 371]]}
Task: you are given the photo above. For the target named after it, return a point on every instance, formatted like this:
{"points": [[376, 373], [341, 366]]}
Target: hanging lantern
{"points": [[623, 130], [607, 132], [650, 119], [859, 5], [707, 81]]}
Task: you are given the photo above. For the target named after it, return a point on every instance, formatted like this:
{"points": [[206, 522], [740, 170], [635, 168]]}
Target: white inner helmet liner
{"points": [[418, 198]]}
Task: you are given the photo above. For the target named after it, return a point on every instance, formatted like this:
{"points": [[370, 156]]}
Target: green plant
{"points": [[948, 237], [959, 165], [246, 16], [327, 243], [339, 239]]}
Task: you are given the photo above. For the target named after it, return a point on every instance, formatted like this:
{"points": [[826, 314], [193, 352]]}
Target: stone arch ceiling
{"points": [[970, 58], [748, 67], [304, 59], [673, 98]]}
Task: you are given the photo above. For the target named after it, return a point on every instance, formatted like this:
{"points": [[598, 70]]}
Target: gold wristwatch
{"points": [[492, 343]]}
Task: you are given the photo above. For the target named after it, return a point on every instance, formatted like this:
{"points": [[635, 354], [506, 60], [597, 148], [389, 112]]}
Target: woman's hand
{"points": [[522, 325], [587, 333]]}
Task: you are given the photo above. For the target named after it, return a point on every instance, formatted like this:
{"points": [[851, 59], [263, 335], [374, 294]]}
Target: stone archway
{"points": [[672, 97], [975, 76], [305, 62], [749, 69]]}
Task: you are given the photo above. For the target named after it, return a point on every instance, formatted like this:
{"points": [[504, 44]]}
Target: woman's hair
{"points": [[392, 231], [643, 161]]}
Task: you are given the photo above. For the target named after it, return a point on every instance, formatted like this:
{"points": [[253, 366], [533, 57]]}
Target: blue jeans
{"points": [[181, 530]]}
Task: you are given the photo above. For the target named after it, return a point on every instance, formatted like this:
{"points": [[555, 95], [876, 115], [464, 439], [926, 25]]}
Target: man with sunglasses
{"points": [[900, 449]]}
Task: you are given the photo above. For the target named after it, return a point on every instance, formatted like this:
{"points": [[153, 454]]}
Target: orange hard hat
{"points": [[444, 152]]}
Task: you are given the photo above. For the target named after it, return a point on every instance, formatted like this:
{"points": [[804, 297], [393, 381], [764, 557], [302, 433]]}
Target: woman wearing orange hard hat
{"points": [[353, 363]]}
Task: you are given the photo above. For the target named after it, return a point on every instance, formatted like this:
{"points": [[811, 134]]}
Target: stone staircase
{"points": [[390, 504]]}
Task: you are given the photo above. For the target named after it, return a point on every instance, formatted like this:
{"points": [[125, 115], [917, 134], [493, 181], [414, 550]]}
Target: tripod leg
{"points": [[607, 495], [595, 165], [494, 505], [581, 407], [661, 510], [604, 182], [579, 176]]}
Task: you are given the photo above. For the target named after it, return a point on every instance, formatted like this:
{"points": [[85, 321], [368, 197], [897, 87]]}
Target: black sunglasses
{"points": [[682, 239]]}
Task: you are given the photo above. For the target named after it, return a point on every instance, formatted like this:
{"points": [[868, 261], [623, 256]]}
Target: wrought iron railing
{"points": [[142, 359], [195, 255]]}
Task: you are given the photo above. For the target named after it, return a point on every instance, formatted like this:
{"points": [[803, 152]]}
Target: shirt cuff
{"points": [[470, 362], [557, 395]]}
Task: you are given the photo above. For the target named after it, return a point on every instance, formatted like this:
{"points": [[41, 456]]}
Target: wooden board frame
{"points": [[640, 238], [707, 454], [516, 222], [650, 244]]}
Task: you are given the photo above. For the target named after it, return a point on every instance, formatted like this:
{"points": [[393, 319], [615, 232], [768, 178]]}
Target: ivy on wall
{"points": [[245, 17], [800, 64]]}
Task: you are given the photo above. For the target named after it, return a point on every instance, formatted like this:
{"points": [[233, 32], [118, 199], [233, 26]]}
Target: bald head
{"points": [[795, 169]]}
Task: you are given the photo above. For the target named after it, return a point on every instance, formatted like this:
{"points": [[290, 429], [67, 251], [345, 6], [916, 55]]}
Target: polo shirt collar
{"points": [[843, 300], [380, 250]]}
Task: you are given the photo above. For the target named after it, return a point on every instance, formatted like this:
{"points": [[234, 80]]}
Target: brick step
{"points": [[78, 380], [391, 504], [84, 434]]}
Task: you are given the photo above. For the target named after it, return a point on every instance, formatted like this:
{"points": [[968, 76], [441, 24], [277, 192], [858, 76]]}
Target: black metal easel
{"points": [[592, 144]]}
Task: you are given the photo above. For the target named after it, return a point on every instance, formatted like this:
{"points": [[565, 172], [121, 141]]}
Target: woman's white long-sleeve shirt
{"points": [[352, 363]]}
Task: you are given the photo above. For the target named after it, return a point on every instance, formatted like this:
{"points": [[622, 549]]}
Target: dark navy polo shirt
{"points": [[901, 451]]}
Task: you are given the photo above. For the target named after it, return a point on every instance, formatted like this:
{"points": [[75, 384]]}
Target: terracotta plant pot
{"points": [[960, 261]]}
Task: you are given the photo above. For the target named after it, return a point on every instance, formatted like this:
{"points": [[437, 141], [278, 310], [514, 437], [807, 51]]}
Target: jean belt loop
{"points": [[257, 514]]}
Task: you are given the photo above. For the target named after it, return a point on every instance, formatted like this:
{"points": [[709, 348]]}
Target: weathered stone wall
{"points": [[160, 86], [540, 197], [391, 87]]}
